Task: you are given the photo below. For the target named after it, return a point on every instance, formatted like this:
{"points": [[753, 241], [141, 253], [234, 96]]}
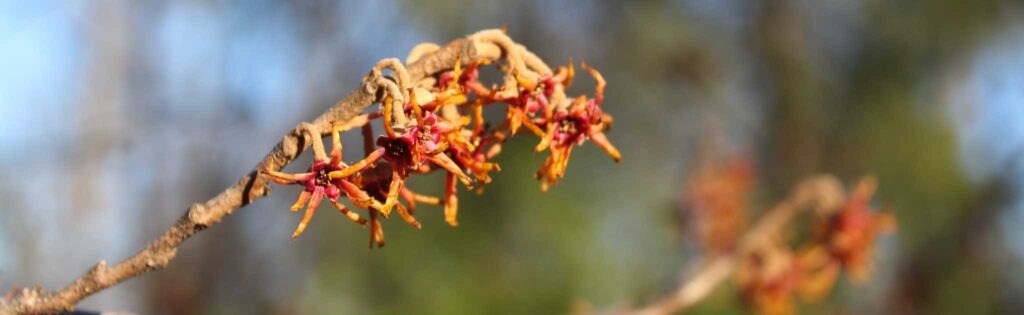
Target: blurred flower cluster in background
{"points": [[117, 115]]}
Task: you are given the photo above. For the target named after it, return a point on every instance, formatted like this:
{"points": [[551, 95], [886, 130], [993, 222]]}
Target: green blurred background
{"points": [[119, 114]]}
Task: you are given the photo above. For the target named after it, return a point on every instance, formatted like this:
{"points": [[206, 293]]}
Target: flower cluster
{"points": [[716, 199], [768, 277], [843, 241], [846, 240], [438, 124]]}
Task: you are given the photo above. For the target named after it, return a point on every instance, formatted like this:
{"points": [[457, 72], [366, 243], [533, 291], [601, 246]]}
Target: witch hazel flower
{"points": [[322, 180], [416, 146], [378, 181], [583, 120], [466, 80], [847, 238], [769, 277], [534, 98]]}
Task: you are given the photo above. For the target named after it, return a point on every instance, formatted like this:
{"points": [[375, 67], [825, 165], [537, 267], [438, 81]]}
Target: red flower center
{"points": [[322, 179], [397, 151]]}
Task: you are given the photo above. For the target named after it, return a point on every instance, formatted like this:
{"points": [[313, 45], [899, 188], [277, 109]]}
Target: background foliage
{"points": [[118, 114]]}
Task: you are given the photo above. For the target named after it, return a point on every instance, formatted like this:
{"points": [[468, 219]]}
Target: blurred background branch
{"points": [[822, 192]]}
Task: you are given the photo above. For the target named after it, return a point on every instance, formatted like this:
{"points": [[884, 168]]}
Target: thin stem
{"points": [[315, 136], [394, 92], [420, 50], [398, 69]]}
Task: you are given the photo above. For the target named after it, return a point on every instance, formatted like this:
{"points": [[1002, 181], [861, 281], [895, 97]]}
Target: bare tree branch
{"points": [[252, 186]]}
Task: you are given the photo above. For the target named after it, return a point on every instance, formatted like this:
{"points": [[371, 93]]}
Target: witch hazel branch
{"points": [[431, 109]]}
